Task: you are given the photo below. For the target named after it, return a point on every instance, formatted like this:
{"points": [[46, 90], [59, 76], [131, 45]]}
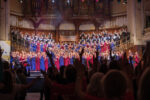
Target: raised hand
{"points": [[48, 54], [82, 51], [97, 52]]}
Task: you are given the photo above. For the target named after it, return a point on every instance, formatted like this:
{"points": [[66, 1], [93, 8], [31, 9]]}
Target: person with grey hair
{"points": [[95, 86], [117, 86]]}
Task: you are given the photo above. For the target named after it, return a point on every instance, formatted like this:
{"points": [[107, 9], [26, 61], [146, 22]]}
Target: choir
{"points": [[65, 53]]}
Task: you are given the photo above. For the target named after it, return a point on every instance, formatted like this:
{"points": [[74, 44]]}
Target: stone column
{"points": [[135, 16], [4, 20]]}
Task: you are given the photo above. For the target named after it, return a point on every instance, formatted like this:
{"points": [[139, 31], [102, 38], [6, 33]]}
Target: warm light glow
{"points": [[82, 0], [68, 1], [53, 1]]}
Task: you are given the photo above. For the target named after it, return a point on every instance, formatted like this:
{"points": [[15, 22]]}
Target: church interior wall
{"points": [[18, 21], [115, 22], [15, 7], [43, 26], [67, 26], [118, 8], [87, 27]]}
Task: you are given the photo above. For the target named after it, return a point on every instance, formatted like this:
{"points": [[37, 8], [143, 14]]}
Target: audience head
{"points": [[115, 84], [8, 82], [144, 85], [114, 65], [71, 73], [52, 72], [62, 68], [95, 86]]}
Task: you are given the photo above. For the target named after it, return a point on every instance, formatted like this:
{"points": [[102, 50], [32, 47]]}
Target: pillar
{"points": [[135, 16], [4, 20]]}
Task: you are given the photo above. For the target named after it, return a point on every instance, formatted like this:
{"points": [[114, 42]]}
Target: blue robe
{"points": [[117, 57], [53, 55], [33, 63], [61, 61], [34, 47], [112, 46], [49, 63], [99, 58], [42, 65], [131, 60], [28, 68], [41, 47], [31, 47], [83, 61], [11, 59], [98, 47], [71, 60]]}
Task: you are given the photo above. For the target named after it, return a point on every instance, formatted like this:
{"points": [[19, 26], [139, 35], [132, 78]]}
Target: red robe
{"points": [[136, 61], [46, 63], [88, 59], [37, 63], [66, 61], [57, 63], [45, 46], [38, 47]]}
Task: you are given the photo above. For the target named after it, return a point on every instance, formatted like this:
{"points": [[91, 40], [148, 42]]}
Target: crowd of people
{"points": [[33, 61], [104, 80], [65, 53], [30, 40]]}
